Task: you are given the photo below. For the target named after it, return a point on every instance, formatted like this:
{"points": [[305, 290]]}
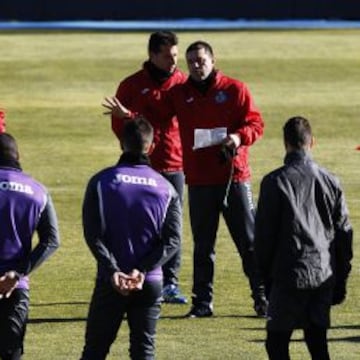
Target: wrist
{"points": [[13, 275]]}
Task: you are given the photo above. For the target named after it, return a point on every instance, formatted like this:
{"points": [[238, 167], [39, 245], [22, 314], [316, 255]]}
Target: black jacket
{"points": [[303, 235]]}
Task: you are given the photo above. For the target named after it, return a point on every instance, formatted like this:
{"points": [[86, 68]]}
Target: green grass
{"points": [[52, 85]]}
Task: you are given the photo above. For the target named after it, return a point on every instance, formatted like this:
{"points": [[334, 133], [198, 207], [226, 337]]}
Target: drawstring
{"points": [[228, 185]]}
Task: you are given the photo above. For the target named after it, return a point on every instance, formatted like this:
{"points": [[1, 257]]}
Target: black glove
{"points": [[339, 293], [227, 154]]}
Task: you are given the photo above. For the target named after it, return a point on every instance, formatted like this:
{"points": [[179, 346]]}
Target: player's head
{"points": [[137, 137], [163, 50], [200, 60], [297, 134], [8, 148]]}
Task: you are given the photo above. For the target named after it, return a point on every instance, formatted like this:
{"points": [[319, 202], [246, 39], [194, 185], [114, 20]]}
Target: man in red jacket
{"points": [[218, 123], [143, 92]]}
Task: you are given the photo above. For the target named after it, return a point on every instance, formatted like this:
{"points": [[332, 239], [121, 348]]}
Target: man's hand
{"points": [[228, 149], [125, 283], [119, 281], [137, 280], [339, 293], [115, 107], [8, 283]]}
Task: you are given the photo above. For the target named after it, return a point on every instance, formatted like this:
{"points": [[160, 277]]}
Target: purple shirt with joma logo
{"points": [[22, 200], [129, 217]]}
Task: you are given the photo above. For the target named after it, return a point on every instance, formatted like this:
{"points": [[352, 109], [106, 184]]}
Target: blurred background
{"points": [[60, 10]]}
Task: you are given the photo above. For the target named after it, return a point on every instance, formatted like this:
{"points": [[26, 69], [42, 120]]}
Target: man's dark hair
{"points": [[197, 45], [161, 38], [8, 147], [297, 132], [137, 135]]}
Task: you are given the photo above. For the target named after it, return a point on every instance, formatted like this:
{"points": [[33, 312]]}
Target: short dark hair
{"points": [[8, 147], [297, 132], [197, 45], [160, 38], [138, 134]]}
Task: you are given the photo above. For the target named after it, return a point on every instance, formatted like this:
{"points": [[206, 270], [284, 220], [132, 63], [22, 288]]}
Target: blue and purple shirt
{"points": [[130, 219], [25, 207]]}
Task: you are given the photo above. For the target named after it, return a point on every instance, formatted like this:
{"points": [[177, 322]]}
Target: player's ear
{"points": [[151, 148], [312, 142]]}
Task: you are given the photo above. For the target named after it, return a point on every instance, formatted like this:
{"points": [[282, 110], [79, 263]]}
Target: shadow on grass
{"points": [[352, 339], [346, 327], [177, 317], [60, 303], [55, 320]]}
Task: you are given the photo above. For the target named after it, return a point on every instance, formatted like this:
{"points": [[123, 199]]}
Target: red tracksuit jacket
{"points": [[227, 103], [141, 94]]}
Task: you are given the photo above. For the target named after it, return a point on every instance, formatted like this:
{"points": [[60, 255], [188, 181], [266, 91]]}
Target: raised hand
{"points": [[114, 107]]}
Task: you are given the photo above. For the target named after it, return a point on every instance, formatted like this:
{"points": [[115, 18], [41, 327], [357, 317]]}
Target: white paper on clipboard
{"points": [[208, 137]]}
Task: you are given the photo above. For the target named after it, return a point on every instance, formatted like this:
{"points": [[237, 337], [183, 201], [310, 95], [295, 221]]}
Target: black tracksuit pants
{"points": [[206, 203]]}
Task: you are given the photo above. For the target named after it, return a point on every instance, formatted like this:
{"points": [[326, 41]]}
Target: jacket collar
{"points": [[159, 75], [297, 156], [134, 159], [204, 85], [7, 163]]}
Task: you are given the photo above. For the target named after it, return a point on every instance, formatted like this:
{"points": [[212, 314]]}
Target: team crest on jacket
{"points": [[221, 97]]}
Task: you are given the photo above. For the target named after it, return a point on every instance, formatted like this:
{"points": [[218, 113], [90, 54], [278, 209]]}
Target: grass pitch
{"points": [[52, 85]]}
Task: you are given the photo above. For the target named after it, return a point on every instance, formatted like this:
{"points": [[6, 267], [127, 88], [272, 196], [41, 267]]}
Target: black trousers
{"points": [[206, 203], [277, 343], [106, 313], [172, 267], [13, 317], [307, 309]]}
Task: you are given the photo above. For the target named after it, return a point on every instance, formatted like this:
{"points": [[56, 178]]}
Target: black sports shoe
{"points": [[261, 306], [199, 311]]}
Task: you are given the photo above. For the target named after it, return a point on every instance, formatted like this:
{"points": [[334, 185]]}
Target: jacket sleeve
{"points": [[93, 231], [343, 240], [267, 226], [170, 236], [252, 124], [49, 239], [2, 122]]}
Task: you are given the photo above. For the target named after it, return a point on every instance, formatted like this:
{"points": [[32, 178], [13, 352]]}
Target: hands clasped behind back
{"points": [[8, 283], [127, 283]]}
